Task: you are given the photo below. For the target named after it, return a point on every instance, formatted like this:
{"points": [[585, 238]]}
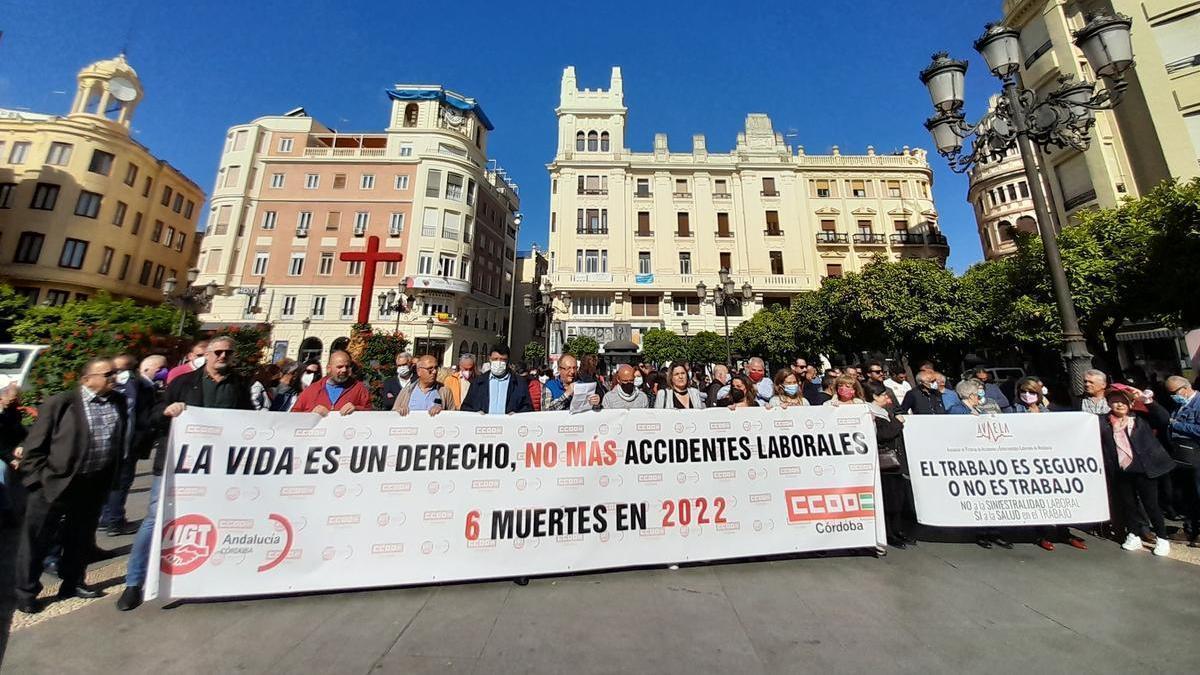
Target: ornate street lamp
{"points": [[393, 302], [191, 298], [1061, 118], [725, 297], [429, 335]]}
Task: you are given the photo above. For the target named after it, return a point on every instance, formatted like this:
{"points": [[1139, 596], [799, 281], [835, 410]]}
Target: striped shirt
{"points": [[102, 419]]}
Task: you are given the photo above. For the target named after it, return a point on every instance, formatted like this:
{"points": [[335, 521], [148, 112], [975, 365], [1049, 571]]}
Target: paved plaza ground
{"points": [[939, 607]]}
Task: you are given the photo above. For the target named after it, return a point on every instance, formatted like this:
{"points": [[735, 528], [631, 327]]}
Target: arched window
{"points": [[462, 348], [410, 115], [604, 141], [475, 349], [579, 142], [1027, 224], [1005, 230], [592, 141], [340, 344]]}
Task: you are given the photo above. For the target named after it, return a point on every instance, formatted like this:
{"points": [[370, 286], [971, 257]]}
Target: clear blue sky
{"points": [[837, 73]]}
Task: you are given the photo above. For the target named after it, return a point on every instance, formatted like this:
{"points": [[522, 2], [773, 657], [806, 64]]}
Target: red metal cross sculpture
{"points": [[372, 256]]}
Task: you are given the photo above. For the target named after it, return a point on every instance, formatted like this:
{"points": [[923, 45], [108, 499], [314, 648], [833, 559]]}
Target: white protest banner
{"points": [[263, 503], [1016, 469]]}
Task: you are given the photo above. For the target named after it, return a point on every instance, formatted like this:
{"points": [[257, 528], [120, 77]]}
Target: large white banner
{"points": [[994, 470], [263, 503]]}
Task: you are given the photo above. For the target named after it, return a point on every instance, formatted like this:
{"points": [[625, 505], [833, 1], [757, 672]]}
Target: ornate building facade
{"points": [[633, 233]]}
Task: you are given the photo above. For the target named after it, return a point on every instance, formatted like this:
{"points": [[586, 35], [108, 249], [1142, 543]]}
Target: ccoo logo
{"points": [[187, 542]]}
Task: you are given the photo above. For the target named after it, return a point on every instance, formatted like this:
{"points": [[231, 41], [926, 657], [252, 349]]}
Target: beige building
{"points": [[1002, 202], [633, 233], [530, 302], [1152, 135], [85, 208], [293, 195]]}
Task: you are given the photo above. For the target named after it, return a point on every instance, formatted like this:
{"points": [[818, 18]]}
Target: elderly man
{"points": [[720, 380], [459, 383], [926, 399], [193, 362], [1095, 383], [425, 395], [404, 376], [1185, 435], [339, 390], [625, 395], [69, 458], [149, 369], [139, 400], [557, 393], [764, 389]]}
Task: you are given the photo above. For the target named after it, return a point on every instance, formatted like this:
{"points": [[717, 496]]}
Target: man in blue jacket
{"points": [[502, 392], [1185, 436]]}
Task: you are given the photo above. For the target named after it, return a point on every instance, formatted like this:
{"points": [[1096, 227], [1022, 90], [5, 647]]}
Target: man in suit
{"points": [[926, 399], [70, 456], [502, 392], [139, 399], [395, 384]]}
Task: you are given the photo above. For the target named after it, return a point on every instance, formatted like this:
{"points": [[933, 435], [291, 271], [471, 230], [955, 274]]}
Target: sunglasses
{"points": [[106, 374], [875, 372], [222, 352]]}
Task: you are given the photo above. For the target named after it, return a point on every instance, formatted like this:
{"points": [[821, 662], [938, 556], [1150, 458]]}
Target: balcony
{"points": [[593, 277], [592, 191], [345, 152], [430, 282], [832, 238], [643, 233], [722, 195], [773, 232], [301, 232], [681, 195], [394, 231], [591, 230], [643, 194], [360, 230], [1079, 200], [772, 193], [870, 238], [917, 239]]}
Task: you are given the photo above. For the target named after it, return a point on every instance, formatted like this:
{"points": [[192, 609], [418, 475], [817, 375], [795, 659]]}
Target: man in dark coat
{"points": [[502, 391], [926, 398], [70, 456], [139, 400]]}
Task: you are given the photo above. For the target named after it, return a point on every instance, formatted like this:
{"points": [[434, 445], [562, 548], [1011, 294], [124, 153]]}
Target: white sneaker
{"points": [[1132, 542], [1162, 547]]}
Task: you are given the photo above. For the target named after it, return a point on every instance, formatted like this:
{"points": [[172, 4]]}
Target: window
{"points": [[361, 220], [348, 305], [276, 180], [643, 221], [464, 269], [410, 114], [643, 187], [29, 247], [768, 185], [773, 224], [102, 163], [579, 141], [354, 268], [446, 265], [166, 195], [828, 225], [644, 266], [170, 238], [88, 205], [325, 266], [131, 173], [179, 241], [723, 225], [721, 188], [685, 262], [429, 223], [189, 209], [156, 234], [406, 149], [289, 306], [604, 141], [833, 271], [1024, 188], [452, 226], [296, 265], [304, 220], [401, 182], [858, 188], [776, 262], [893, 188], [268, 221], [433, 183], [45, 196], [177, 205], [106, 260], [318, 307], [645, 305], [6, 194], [391, 268], [137, 223], [864, 227], [146, 186], [726, 261], [60, 154], [232, 175], [312, 181], [333, 220], [591, 261], [823, 188], [900, 225], [57, 298], [681, 187], [125, 265], [454, 187], [591, 305], [593, 141], [73, 253], [683, 229], [19, 150], [285, 145], [367, 182], [261, 259], [425, 263], [1012, 192], [685, 305]]}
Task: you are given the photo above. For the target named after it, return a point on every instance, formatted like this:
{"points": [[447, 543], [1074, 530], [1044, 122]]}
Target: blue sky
{"points": [[836, 73]]}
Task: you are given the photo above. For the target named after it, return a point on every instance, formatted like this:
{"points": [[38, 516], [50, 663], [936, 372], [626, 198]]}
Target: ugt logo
{"points": [[993, 431], [187, 542]]}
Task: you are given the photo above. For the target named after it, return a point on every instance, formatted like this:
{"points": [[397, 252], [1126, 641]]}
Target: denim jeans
{"points": [[139, 556], [113, 512]]}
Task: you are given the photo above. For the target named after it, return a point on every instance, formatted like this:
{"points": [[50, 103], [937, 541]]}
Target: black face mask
{"points": [[627, 387], [736, 395]]}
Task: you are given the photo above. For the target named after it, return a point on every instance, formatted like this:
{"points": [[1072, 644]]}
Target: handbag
{"points": [[889, 459]]}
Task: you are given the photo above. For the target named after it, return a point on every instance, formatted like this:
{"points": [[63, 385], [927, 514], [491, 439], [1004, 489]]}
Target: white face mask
{"points": [[499, 368], [543, 378], [465, 374], [404, 372], [198, 362], [637, 381], [307, 378], [122, 377]]}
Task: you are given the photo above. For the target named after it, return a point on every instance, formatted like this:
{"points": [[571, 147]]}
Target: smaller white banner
{"points": [[1015, 469]]}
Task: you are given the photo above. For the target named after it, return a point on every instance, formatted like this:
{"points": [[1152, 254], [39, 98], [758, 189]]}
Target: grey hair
{"points": [[92, 362], [966, 388], [1096, 373], [220, 338], [1176, 381], [760, 361], [464, 357], [406, 355]]}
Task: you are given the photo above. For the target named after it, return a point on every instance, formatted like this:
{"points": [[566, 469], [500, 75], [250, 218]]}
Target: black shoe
{"points": [[79, 591], [121, 528], [29, 607], [983, 543], [908, 540], [1002, 542], [130, 599], [521, 581], [897, 542]]}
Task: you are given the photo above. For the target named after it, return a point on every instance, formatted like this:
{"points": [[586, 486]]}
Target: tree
{"points": [[706, 347], [660, 346], [810, 325], [581, 345], [534, 353], [769, 334], [12, 307], [378, 361], [249, 345]]}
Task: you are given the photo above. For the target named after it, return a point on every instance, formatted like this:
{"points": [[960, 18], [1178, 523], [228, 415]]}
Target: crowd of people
{"points": [[78, 460]]}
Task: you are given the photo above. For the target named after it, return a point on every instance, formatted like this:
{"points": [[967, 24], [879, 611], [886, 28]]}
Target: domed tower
{"points": [[108, 90]]}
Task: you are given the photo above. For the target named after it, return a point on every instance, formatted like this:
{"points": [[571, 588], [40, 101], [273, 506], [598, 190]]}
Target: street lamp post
{"points": [[725, 296], [685, 327], [190, 298], [303, 336], [393, 302], [429, 335], [541, 308], [1061, 118]]}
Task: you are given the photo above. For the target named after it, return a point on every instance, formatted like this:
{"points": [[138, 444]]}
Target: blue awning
{"points": [[450, 99]]}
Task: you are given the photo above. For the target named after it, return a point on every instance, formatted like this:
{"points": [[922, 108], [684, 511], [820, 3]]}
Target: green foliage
{"points": [[810, 323], [581, 345], [534, 353], [706, 347], [249, 345], [770, 334], [660, 346], [78, 331], [378, 361], [12, 307]]}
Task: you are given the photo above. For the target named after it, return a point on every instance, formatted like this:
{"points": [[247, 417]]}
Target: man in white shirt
{"points": [[898, 383]]}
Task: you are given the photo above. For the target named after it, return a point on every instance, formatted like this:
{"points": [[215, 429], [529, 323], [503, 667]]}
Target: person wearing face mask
{"points": [[787, 390], [557, 393], [846, 391], [312, 373], [740, 394], [193, 362], [338, 391], [289, 388], [532, 377], [425, 394], [1185, 438], [973, 400], [756, 370], [625, 395], [500, 392], [404, 376], [265, 380], [459, 383], [1032, 397], [1134, 461], [893, 464], [139, 400], [925, 399]]}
